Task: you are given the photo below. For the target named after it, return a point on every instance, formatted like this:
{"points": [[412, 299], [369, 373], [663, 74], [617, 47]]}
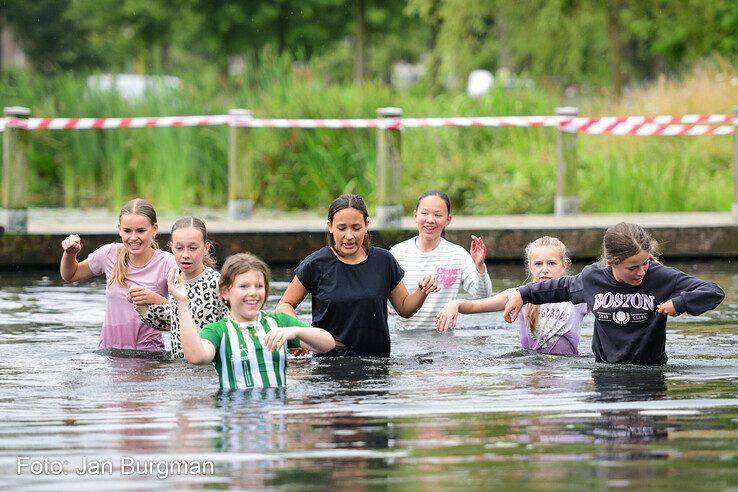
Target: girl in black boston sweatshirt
{"points": [[630, 294]]}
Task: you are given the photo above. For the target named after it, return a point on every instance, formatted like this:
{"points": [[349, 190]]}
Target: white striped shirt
{"points": [[454, 268]]}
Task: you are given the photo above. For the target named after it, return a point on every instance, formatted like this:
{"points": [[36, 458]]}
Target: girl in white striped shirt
{"points": [[248, 346], [429, 253]]}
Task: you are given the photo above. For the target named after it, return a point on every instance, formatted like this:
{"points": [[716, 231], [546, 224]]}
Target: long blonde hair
{"points": [[137, 206], [533, 310]]}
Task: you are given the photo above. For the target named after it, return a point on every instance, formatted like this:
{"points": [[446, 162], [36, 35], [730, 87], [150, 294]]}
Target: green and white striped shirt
{"points": [[241, 359]]}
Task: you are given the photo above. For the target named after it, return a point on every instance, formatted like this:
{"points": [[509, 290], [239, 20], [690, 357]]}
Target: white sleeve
{"points": [[478, 285]]}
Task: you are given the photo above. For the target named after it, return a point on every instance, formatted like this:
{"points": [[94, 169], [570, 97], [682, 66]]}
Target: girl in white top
{"points": [[429, 253]]}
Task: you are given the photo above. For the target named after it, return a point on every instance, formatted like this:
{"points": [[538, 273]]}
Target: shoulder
{"points": [[403, 247], [381, 255], [320, 255], [447, 247], [216, 328], [283, 319], [210, 275], [107, 249]]}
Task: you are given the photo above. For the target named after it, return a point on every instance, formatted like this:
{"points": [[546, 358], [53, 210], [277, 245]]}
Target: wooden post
{"points": [[240, 168], [389, 171], [734, 208], [15, 171], [566, 201]]}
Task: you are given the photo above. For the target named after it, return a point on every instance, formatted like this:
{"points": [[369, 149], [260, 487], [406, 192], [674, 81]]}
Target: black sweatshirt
{"points": [[627, 328]]}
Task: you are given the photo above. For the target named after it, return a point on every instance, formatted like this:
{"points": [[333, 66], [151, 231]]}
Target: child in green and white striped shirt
{"points": [[248, 346]]}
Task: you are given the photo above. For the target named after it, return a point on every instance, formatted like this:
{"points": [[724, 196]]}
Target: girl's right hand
{"points": [[176, 286], [447, 317], [71, 244], [513, 307]]}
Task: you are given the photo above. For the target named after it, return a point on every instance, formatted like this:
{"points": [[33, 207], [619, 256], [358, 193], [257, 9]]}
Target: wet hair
{"points": [[344, 202], [533, 310], [443, 196], [240, 263], [137, 206], [624, 240], [194, 222]]}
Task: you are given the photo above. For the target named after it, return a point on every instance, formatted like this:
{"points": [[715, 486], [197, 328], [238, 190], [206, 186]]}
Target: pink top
{"points": [[123, 327]]}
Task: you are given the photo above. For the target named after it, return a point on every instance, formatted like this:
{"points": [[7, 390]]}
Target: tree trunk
{"points": [[360, 58], [614, 31]]}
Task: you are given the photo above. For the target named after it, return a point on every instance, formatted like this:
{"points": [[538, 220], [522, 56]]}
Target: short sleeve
{"points": [[96, 259], [158, 316], [304, 273], [213, 333], [396, 272]]}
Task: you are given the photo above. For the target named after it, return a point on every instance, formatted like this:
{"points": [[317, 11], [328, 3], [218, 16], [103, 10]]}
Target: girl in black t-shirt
{"points": [[351, 282]]}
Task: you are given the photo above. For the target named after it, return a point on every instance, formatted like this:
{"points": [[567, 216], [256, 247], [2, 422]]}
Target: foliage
{"points": [[484, 170]]}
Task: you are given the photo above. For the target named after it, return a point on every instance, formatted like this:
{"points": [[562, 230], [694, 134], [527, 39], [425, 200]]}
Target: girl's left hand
{"points": [[277, 337], [429, 284], [666, 308], [478, 251]]}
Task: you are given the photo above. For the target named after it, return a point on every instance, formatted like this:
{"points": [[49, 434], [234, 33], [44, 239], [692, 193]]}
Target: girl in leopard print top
{"points": [[191, 248]]}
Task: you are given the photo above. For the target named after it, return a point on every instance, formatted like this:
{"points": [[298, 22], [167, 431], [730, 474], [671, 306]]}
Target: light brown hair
{"points": [[624, 240], [240, 263], [137, 206], [194, 222]]}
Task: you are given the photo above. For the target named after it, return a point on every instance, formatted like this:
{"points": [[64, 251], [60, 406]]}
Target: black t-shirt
{"points": [[350, 301]]}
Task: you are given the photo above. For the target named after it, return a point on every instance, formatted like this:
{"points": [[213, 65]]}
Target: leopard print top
{"points": [[205, 303]]}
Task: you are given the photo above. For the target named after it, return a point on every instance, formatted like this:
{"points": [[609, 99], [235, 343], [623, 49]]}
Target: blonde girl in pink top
{"points": [[136, 272]]}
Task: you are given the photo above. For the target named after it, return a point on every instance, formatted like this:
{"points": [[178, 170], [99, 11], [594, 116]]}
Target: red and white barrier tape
{"points": [[631, 125]]}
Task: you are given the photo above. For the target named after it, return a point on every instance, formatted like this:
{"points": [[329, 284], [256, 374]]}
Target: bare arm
{"points": [[314, 339], [196, 350], [407, 304], [447, 317], [292, 298], [70, 269]]}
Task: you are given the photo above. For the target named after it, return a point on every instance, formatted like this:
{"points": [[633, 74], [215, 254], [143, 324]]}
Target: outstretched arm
{"points": [[447, 317], [314, 339]]}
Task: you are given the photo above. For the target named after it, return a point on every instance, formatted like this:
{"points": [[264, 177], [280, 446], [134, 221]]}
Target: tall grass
{"points": [[484, 170]]}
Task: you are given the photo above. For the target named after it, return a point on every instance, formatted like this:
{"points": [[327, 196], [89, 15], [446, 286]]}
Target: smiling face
{"points": [[189, 249], [431, 217], [348, 229], [246, 296], [545, 262], [631, 270], [136, 232]]}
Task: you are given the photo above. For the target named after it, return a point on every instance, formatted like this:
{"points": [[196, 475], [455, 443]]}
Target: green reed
{"points": [[484, 170]]}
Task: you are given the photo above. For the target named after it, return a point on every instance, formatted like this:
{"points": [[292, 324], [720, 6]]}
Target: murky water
{"points": [[465, 410]]}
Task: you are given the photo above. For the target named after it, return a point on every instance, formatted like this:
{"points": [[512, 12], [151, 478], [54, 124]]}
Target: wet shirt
{"points": [[350, 301], [122, 327], [558, 327], [627, 328], [241, 358], [451, 265]]}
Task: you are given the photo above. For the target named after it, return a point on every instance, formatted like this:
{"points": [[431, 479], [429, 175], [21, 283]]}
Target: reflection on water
{"points": [[468, 409]]}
